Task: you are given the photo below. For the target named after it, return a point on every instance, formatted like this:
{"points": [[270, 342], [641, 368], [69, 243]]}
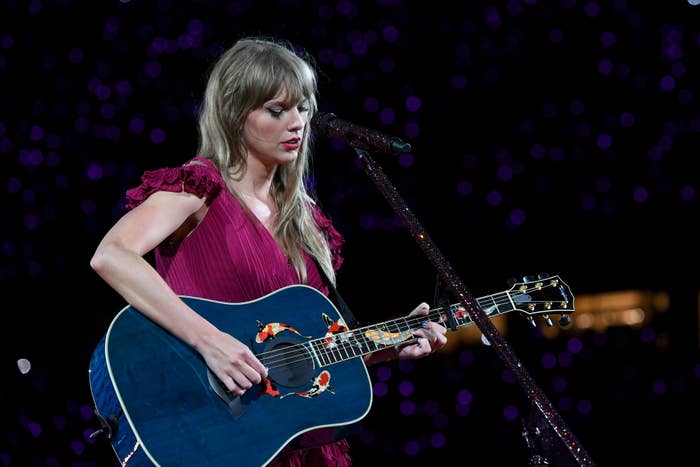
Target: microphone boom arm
{"points": [[359, 137]]}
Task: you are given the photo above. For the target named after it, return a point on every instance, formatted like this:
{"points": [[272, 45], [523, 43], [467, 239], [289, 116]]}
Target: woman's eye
{"points": [[275, 112], [303, 108]]}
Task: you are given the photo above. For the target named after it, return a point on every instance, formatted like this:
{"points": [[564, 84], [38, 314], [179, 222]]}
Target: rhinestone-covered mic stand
{"points": [[545, 418]]}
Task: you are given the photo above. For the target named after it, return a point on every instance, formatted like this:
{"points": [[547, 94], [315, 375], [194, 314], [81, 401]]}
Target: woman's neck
{"points": [[260, 190], [256, 182]]}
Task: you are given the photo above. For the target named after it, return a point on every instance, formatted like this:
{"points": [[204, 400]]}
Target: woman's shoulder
{"points": [[197, 176]]}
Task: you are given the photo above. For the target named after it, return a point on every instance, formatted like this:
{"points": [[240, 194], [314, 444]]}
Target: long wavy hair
{"points": [[251, 72]]}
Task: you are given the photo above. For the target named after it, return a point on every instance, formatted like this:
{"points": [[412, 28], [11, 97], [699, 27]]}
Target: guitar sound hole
{"points": [[290, 364]]}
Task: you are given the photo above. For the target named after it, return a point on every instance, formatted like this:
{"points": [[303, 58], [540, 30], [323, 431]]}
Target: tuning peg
{"points": [[565, 320], [531, 320], [547, 320], [511, 281], [543, 275], [529, 278]]}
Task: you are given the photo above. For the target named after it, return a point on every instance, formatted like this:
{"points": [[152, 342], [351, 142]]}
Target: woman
{"points": [[236, 223]]}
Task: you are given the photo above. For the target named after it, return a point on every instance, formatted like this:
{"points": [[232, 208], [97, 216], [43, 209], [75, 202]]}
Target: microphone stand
{"points": [[543, 418]]}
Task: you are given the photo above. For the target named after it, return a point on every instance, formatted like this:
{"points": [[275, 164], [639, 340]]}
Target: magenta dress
{"points": [[232, 257]]}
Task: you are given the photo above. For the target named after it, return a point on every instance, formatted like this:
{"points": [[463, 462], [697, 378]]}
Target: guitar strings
{"points": [[358, 333], [351, 340], [348, 345], [347, 341]]}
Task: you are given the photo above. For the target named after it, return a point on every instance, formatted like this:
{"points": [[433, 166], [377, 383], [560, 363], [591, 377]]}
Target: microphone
{"points": [[360, 137]]}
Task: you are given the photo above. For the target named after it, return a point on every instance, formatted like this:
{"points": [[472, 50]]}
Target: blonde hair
{"points": [[247, 75]]}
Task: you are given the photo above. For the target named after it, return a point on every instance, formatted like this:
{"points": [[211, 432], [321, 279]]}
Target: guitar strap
{"points": [[337, 299], [339, 432]]}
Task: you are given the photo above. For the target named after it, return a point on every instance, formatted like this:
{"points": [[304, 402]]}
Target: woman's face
{"points": [[272, 133]]}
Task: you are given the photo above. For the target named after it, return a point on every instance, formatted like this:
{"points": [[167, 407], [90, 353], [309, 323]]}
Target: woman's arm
{"points": [[119, 260]]}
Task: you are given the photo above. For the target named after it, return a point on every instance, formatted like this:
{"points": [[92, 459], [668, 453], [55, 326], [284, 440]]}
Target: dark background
{"points": [[557, 136]]}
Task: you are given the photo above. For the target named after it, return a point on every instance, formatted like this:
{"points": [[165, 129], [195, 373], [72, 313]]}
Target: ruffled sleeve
{"points": [[196, 178], [335, 239]]}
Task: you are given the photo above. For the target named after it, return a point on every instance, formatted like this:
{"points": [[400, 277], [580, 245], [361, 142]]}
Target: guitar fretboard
{"points": [[362, 341], [541, 297]]}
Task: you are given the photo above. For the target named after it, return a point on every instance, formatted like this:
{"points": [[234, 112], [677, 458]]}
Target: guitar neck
{"points": [[335, 348]]}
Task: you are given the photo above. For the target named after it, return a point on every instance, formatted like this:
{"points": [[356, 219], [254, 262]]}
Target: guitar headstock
{"points": [[543, 295]]}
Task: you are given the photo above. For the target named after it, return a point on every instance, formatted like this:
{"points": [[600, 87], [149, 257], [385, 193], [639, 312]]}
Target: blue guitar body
{"points": [[159, 393]]}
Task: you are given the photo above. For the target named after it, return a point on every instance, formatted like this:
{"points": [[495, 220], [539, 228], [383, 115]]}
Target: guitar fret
{"points": [[322, 353], [386, 332], [485, 302], [456, 312], [317, 353], [332, 353], [362, 342], [328, 352], [347, 347], [405, 333], [372, 343], [510, 300], [495, 304], [350, 345], [453, 312], [394, 329], [314, 355], [377, 345], [356, 344], [342, 351], [439, 316]]}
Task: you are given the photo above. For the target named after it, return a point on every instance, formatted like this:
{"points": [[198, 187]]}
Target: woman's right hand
{"points": [[232, 362]]}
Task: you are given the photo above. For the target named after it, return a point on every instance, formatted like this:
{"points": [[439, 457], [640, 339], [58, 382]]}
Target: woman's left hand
{"points": [[430, 337]]}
